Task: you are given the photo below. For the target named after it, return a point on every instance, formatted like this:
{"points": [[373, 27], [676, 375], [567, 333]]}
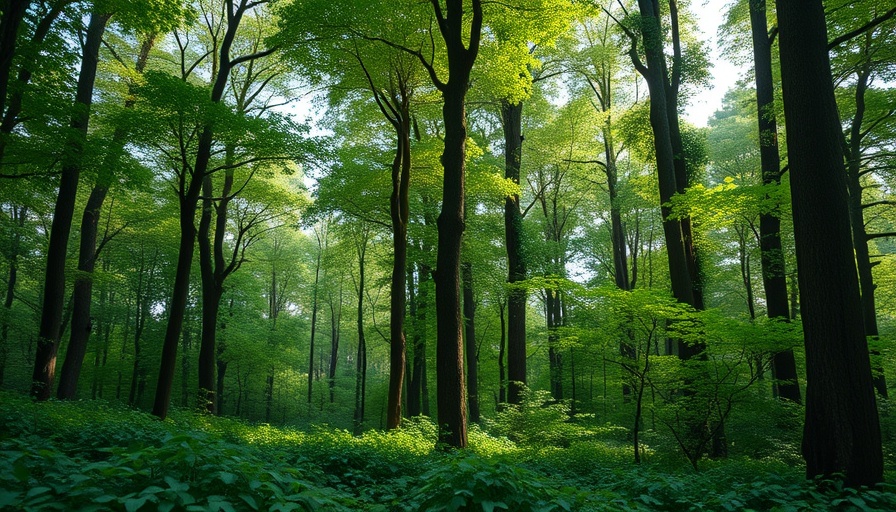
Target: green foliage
{"points": [[538, 420], [91, 455], [471, 483]]}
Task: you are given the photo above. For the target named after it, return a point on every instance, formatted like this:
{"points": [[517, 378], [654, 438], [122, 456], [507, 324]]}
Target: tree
{"points": [[865, 56], [88, 251], [773, 277], [461, 51], [663, 101], [255, 89], [392, 76], [841, 433], [54, 276], [189, 186]]}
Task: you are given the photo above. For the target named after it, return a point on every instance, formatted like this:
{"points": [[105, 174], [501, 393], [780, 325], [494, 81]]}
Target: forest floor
{"points": [[94, 455]]}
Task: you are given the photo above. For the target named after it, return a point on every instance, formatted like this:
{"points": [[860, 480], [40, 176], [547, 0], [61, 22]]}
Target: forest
{"points": [[442, 255]]}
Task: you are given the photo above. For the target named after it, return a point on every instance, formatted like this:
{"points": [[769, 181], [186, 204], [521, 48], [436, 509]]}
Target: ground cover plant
{"points": [[94, 455], [447, 254]]}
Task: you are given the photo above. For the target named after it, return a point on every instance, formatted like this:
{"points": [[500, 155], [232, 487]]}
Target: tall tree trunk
{"points": [[452, 413], [842, 433], [857, 220], [511, 117], [502, 344], [211, 300], [774, 279], [88, 252], [553, 314], [19, 214], [314, 308], [189, 186], [470, 343], [54, 275], [361, 358], [335, 322], [399, 207], [452, 417], [415, 372], [654, 74]]}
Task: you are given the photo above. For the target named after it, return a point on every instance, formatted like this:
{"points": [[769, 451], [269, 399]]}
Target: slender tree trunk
{"points": [[773, 266], [857, 220], [19, 214], [415, 372], [219, 383], [361, 358], [335, 322], [502, 374], [511, 117], [555, 356], [88, 253], [189, 186], [745, 275], [314, 308], [54, 275], [268, 396], [207, 359], [842, 433], [470, 343], [187, 342], [211, 300], [400, 213]]}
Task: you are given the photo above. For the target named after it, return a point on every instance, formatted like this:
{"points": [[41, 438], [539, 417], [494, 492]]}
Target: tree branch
{"points": [[864, 28]]}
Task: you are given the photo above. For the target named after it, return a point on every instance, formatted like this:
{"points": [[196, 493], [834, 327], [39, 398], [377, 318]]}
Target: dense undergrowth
{"points": [[100, 456]]}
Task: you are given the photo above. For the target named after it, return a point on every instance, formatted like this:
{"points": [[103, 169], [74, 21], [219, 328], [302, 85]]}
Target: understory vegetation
{"points": [[96, 455]]}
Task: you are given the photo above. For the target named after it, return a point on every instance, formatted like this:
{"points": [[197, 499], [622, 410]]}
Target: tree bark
{"points": [[414, 370], [190, 183], [470, 343], [19, 214], [502, 347], [553, 314], [774, 279], [452, 411], [54, 275], [87, 252], [399, 207], [842, 433], [654, 74], [335, 322], [511, 117], [361, 358], [314, 308], [857, 218]]}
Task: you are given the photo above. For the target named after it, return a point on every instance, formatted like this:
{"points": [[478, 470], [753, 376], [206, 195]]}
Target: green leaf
{"points": [[34, 491], [489, 506], [7, 498], [250, 500], [134, 504], [227, 478]]}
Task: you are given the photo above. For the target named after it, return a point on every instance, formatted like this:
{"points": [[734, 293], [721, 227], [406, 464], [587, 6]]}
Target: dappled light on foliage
{"points": [[447, 255]]}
